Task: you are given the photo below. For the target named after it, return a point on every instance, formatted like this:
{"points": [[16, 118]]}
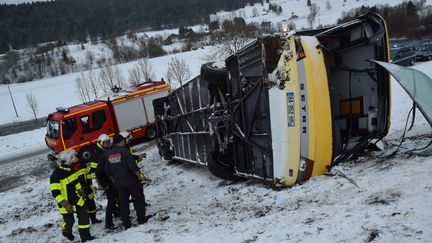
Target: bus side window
{"points": [[69, 127], [98, 119], [85, 123]]}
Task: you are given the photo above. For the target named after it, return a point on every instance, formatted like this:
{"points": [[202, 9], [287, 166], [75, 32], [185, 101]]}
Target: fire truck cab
{"points": [[79, 126]]}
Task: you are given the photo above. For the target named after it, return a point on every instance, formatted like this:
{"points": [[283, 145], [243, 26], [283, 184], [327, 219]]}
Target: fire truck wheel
{"points": [[85, 154], [221, 165], [151, 133], [214, 74]]}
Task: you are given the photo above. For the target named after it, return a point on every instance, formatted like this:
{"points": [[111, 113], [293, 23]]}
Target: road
{"points": [[22, 126], [21, 154]]}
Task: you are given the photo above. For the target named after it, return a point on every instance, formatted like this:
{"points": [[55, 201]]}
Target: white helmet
{"points": [[126, 135], [103, 138], [67, 157]]}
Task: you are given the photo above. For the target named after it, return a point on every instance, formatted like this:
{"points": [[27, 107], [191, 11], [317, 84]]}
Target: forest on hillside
{"points": [[412, 19], [28, 24]]}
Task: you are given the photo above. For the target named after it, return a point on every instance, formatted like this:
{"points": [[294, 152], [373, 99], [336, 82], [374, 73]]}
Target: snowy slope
{"points": [[60, 91], [299, 8], [391, 204]]}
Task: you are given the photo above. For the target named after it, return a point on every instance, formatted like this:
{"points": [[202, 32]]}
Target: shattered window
{"points": [[417, 84]]}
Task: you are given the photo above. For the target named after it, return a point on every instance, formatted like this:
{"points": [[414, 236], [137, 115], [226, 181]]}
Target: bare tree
{"points": [[32, 104], [111, 78], [230, 43], [141, 72], [146, 70], [313, 12], [255, 12], [82, 90], [178, 70], [89, 59], [88, 86], [328, 5], [134, 76], [93, 82]]}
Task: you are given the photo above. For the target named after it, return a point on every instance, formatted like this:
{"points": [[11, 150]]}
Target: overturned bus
{"points": [[283, 108]]}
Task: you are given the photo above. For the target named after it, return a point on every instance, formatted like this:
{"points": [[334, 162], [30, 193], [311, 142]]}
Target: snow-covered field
{"points": [[60, 91], [392, 202]]}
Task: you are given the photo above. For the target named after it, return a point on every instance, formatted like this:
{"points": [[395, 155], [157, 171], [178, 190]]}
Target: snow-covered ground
{"points": [[60, 91], [392, 202], [301, 10]]}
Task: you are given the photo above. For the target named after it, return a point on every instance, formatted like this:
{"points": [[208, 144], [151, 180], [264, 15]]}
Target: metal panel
{"points": [[188, 122], [130, 114], [148, 99], [248, 86]]}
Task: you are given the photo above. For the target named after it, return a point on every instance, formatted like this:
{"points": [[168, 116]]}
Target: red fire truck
{"points": [[79, 126]]}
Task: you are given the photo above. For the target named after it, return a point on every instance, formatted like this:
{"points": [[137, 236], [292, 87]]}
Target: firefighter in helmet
{"points": [[87, 169], [103, 144], [128, 138], [67, 187], [126, 176]]}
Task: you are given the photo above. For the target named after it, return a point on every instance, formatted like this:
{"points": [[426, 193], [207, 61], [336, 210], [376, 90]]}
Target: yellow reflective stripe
{"points": [[93, 165], [91, 195], [55, 186], [92, 211], [69, 179], [63, 225], [80, 202], [78, 186], [64, 211], [59, 198], [84, 226]]}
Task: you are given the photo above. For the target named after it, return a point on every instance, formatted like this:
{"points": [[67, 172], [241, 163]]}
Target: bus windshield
{"points": [[52, 129]]}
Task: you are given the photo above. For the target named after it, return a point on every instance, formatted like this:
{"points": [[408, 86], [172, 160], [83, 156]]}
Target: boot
{"points": [[88, 239], [85, 235], [68, 235]]}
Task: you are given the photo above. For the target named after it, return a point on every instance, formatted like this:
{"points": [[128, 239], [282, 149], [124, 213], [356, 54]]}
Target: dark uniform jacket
{"points": [[101, 175], [65, 184], [120, 164]]}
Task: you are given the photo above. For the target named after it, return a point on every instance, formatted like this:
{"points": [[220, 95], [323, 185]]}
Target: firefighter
{"points": [[67, 189], [103, 144], [123, 170], [87, 171], [128, 138]]}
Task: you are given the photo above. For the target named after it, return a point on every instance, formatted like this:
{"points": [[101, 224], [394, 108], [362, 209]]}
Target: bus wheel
{"points": [[221, 165]]}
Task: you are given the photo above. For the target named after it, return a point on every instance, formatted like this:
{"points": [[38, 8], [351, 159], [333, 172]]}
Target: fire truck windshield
{"points": [[52, 129]]}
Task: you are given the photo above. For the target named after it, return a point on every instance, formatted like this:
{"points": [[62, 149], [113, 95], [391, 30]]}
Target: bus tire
{"points": [[221, 165], [214, 75]]}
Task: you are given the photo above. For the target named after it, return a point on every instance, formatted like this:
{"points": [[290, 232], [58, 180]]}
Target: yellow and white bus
{"points": [[285, 107]]}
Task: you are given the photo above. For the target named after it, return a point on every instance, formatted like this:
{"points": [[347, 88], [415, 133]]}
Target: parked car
{"points": [[403, 55], [424, 51], [283, 108]]}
